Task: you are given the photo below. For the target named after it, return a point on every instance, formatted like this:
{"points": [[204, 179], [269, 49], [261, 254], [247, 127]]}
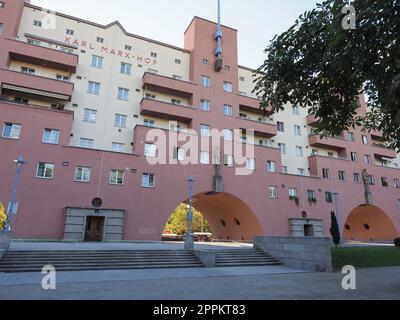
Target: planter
{"points": [[5, 240]]}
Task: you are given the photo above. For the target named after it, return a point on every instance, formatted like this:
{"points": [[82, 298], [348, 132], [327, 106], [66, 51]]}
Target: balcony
{"points": [[35, 85], [381, 151], [38, 55], [312, 120], [169, 86], [338, 144], [377, 135], [165, 110], [249, 104], [261, 129]]}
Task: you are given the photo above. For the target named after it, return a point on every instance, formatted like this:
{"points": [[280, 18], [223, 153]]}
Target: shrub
{"points": [[397, 242]]}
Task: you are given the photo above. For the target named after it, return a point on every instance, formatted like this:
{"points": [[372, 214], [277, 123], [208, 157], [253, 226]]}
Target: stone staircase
{"points": [[244, 258], [34, 261]]}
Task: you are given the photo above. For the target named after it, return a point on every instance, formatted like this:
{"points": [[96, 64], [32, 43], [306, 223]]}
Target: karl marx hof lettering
{"points": [[123, 54]]}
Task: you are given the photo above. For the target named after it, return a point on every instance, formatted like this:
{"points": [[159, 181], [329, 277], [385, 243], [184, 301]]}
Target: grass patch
{"points": [[365, 257]]}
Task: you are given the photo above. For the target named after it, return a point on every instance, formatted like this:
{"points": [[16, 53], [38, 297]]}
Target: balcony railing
{"points": [[165, 110], [336, 143], [381, 150], [169, 86], [35, 85]]}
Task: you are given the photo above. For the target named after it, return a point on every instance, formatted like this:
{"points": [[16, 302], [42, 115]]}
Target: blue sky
{"points": [[166, 20]]}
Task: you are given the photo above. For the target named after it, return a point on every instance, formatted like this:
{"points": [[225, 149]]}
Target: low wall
{"points": [[206, 257], [5, 240], [306, 253], [2, 252]]}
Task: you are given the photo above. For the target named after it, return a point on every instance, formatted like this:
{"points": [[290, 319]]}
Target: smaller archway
{"points": [[369, 223]]}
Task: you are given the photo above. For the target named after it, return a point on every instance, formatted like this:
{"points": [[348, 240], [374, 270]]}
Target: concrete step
{"points": [[245, 257]]}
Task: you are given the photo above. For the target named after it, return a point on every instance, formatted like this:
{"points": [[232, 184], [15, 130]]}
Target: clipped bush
{"points": [[397, 242]]}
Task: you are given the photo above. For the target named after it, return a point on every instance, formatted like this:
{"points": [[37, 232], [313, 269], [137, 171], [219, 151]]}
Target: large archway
{"points": [[229, 217], [369, 223]]}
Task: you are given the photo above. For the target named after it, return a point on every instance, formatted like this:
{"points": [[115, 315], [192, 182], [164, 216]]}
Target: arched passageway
{"points": [[369, 223], [229, 217]]}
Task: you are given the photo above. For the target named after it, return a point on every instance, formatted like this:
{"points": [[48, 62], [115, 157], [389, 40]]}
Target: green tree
{"points": [[3, 216], [318, 63], [335, 232], [178, 224]]}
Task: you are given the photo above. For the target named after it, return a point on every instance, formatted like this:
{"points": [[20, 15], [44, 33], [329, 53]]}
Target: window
{"points": [[93, 88], [179, 154], [350, 137], [273, 192], [82, 174], [176, 77], [342, 176], [21, 100], [398, 203], [228, 68], [296, 110], [205, 105], [34, 42], [51, 136], [1, 28], [45, 170], [206, 81], [118, 147], [27, 70], [69, 32], [154, 55], [271, 166], [284, 170], [89, 116], [97, 62], [385, 182], [251, 164], [297, 130], [281, 126], [299, 151], [371, 180], [126, 68], [175, 127], [282, 146], [311, 195], [128, 47], [326, 174], [178, 61], [364, 139], [37, 23], [120, 121], [176, 101], [123, 94], [367, 159], [397, 183], [100, 39], [354, 157], [86, 143], [242, 79], [149, 123], [204, 130], [62, 77], [228, 87], [2, 4], [301, 172], [117, 177], [204, 157], [329, 197], [228, 110], [228, 135], [292, 192], [148, 180], [205, 61], [357, 178], [151, 96], [330, 154], [150, 150], [11, 131], [228, 161]]}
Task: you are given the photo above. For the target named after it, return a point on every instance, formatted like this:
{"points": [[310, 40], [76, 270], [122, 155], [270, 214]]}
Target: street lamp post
{"points": [[12, 207], [189, 241]]}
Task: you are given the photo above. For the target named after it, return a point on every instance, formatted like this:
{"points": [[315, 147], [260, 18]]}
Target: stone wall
{"points": [[5, 240], [306, 253]]}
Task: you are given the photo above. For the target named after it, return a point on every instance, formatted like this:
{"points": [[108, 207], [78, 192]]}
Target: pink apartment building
{"points": [[79, 101]]}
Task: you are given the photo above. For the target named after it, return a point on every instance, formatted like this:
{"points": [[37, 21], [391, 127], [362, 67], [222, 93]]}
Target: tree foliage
{"points": [[3, 216], [320, 65], [335, 232], [177, 223]]}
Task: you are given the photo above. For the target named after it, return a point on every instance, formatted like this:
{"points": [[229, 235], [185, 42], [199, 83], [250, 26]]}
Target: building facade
{"points": [[81, 101]]}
